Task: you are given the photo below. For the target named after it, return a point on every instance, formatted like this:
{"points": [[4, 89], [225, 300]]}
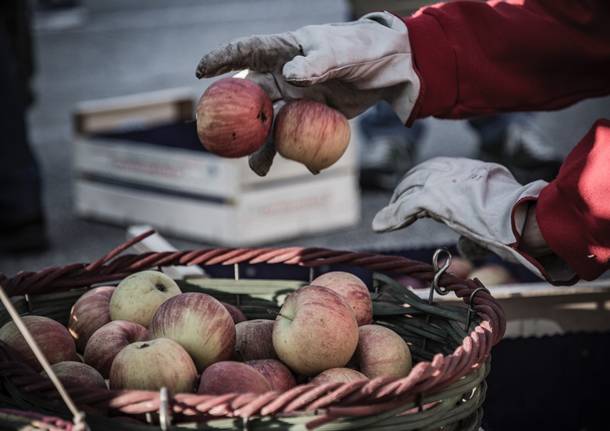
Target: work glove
{"points": [[348, 66], [484, 204]]}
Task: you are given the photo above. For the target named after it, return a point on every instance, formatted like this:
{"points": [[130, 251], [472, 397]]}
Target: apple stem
{"points": [[281, 315]]}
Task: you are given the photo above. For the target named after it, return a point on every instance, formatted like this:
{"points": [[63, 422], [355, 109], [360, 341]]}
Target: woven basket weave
{"points": [[445, 389]]}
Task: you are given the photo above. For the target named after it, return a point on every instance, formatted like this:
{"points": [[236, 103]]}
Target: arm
{"points": [[559, 230], [476, 58], [573, 211]]}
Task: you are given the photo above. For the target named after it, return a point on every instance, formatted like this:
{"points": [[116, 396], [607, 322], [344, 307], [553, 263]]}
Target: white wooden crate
{"points": [[195, 194]]}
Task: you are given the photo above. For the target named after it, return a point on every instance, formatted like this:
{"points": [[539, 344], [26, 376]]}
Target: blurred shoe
{"points": [[57, 4], [388, 147], [383, 162], [56, 15], [24, 237], [525, 150]]}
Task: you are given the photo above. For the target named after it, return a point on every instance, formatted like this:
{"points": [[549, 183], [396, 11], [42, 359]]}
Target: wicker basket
{"points": [[445, 389]]}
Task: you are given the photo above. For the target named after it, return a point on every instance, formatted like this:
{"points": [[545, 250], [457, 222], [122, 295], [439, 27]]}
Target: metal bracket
{"points": [[236, 271], [165, 418]]}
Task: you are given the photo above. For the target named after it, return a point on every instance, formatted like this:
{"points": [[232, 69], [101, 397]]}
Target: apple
{"points": [[226, 377], [353, 291], [153, 364], [382, 352], [236, 314], [492, 275], [109, 340], [200, 324], [253, 340], [410, 282], [277, 374], [315, 330], [311, 133], [343, 375], [89, 313], [52, 337], [234, 117], [460, 267], [77, 374], [138, 296]]}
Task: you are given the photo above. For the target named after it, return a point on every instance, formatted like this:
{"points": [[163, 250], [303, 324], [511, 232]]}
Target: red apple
{"points": [[253, 340], [353, 291], [234, 117], [460, 267], [153, 364], [109, 340], [52, 337], [89, 313], [228, 377], [410, 282], [277, 374], [315, 330], [382, 353], [236, 314], [343, 375], [138, 296], [200, 324], [311, 133], [77, 374]]}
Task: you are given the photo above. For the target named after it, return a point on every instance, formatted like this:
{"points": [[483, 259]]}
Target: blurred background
{"points": [[92, 50], [96, 49]]}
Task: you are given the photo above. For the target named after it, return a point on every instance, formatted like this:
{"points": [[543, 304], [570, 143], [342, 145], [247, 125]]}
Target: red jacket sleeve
{"points": [[573, 211], [477, 58]]}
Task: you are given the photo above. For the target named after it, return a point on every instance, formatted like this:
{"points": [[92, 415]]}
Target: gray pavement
{"points": [[126, 47]]}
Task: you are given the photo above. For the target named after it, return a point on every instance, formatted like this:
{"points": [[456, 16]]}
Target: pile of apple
{"points": [[146, 334]]}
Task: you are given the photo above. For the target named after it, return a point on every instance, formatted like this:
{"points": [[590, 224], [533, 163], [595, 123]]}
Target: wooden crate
{"points": [[189, 192]]}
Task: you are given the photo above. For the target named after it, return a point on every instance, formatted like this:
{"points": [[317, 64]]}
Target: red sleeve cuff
{"points": [[435, 64], [573, 211]]}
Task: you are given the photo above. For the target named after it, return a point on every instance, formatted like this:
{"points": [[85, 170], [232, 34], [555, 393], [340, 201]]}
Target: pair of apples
{"points": [[235, 118]]}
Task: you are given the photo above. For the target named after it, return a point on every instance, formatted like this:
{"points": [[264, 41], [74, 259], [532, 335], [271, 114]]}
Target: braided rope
{"points": [[334, 399]]}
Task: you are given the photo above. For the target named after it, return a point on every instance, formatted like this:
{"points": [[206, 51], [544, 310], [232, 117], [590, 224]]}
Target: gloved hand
{"points": [[348, 66], [483, 203]]}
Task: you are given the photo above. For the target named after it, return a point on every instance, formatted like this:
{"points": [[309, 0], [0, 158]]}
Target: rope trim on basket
{"points": [[331, 400]]}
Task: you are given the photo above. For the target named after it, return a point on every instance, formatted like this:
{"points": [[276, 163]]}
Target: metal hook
{"points": [[165, 419], [439, 271], [470, 301]]}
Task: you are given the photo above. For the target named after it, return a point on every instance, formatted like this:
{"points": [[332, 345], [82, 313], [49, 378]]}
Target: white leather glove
{"points": [[481, 201], [348, 66]]}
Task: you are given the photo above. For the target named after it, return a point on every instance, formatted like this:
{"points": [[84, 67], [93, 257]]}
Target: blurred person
{"points": [[22, 221], [389, 149], [465, 59]]}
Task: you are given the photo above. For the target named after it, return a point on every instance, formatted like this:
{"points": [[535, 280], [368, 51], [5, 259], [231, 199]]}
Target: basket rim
{"points": [[360, 398]]}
